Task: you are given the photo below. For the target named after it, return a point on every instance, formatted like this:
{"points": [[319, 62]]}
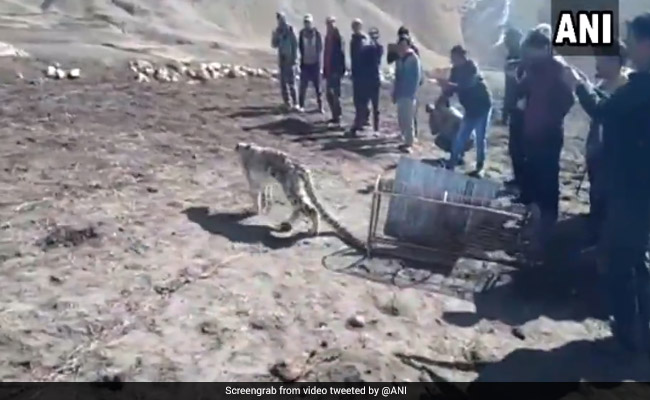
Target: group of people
{"points": [[540, 91], [315, 54]]}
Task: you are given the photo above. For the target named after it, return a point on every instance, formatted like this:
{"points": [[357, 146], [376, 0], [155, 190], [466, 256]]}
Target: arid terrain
{"points": [[126, 249]]}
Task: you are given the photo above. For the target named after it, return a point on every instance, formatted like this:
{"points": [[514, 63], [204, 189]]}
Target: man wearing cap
{"points": [[357, 41], [407, 77], [310, 44], [333, 68], [392, 55], [371, 55], [284, 40]]}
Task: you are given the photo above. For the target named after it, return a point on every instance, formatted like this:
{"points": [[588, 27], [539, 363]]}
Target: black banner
{"points": [[244, 391]]}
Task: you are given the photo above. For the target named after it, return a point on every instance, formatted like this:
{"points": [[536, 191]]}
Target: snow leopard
{"points": [[263, 166]]}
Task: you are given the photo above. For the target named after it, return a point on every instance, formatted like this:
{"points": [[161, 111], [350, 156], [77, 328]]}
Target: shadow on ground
{"points": [[231, 226], [566, 287], [256, 111]]}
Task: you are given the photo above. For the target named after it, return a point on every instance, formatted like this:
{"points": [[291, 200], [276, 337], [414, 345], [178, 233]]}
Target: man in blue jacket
{"points": [[625, 120], [408, 72]]}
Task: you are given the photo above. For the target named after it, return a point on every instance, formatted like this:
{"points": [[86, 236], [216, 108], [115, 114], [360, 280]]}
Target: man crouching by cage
{"points": [[547, 100], [466, 81]]}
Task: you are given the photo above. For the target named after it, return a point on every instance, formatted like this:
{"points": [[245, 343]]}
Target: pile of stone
{"points": [[55, 71], [145, 71]]}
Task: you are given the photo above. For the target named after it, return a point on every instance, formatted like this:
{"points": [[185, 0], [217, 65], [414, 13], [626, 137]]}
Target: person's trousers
{"points": [[372, 92], [405, 112], [541, 185], [479, 125], [516, 146], [360, 100], [509, 97], [368, 90], [333, 83], [310, 73], [624, 249], [596, 176], [287, 82]]}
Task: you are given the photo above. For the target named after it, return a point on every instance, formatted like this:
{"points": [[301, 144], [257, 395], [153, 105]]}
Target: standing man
{"points": [[284, 40], [407, 81], [392, 55], [611, 71], [626, 141], [547, 99], [512, 42], [466, 81], [310, 44], [513, 116], [357, 42], [371, 56], [334, 68]]}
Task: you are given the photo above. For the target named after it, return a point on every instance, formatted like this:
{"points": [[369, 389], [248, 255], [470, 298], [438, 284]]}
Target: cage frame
{"points": [[383, 188]]}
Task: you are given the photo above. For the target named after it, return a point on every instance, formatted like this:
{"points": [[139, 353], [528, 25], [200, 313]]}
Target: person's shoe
{"points": [[477, 173], [298, 108], [321, 110], [351, 133], [404, 148]]}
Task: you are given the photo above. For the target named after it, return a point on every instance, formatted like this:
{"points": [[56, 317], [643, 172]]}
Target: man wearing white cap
{"points": [[310, 44], [284, 40], [334, 68]]}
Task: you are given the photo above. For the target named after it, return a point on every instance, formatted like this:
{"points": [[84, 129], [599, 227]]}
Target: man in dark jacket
{"points": [[611, 72], [512, 42], [511, 115], [626, 142], [334, 68], [310, 44], [357, 42], [371, 56], [543, 134]]}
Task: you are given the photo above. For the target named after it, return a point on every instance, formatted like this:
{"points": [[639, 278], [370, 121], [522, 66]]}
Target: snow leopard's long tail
{"points": [[345, 234]]}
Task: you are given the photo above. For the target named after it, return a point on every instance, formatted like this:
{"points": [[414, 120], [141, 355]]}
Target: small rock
{"points": [[142, 78], [20, 76], [152, 190], [232, 73], [285, 372], [74, 73], [50, 72], [55, 279], [356, 321], [60, 74]]}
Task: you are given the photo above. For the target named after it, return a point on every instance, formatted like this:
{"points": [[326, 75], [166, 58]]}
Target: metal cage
{"points": [[457, 223]]}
